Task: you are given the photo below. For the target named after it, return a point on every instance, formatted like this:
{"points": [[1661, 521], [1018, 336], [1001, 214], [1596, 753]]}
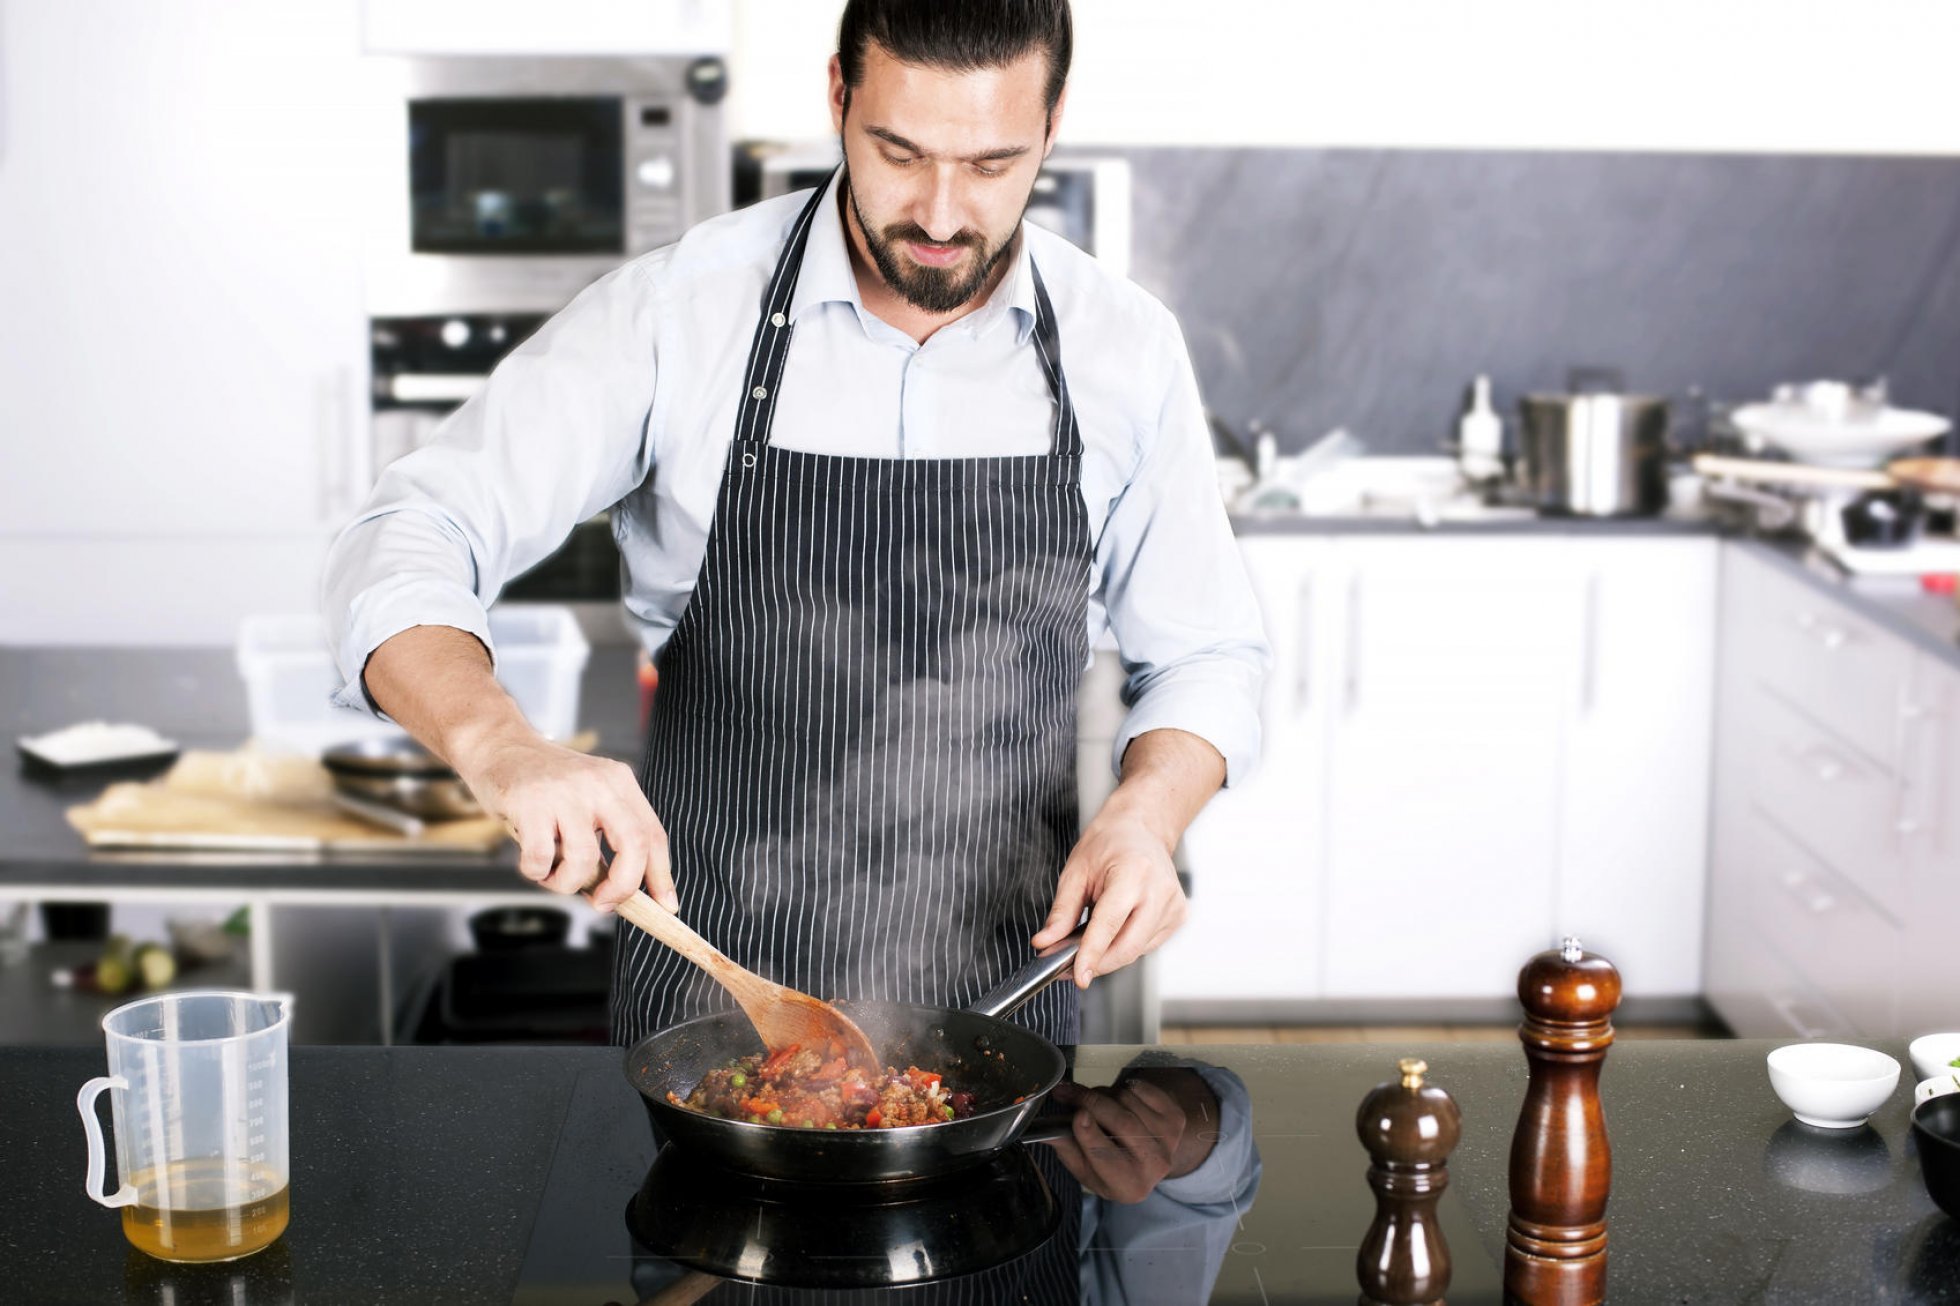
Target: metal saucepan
{"points": [[1008, 1069]]}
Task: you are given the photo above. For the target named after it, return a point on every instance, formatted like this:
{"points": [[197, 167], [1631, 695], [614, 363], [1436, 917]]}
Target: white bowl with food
{"points": [[1935, 1054], [1832, 1085]]}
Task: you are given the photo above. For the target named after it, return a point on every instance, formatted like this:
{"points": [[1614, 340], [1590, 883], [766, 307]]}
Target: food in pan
{"points": [[811, 1088]]}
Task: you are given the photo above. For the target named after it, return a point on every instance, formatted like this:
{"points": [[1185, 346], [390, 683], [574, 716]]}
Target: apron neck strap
{"points": [[769, 350]]}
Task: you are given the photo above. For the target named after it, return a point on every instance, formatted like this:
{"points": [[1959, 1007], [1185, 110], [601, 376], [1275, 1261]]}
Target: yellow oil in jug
{"points": [[192, 1211]]}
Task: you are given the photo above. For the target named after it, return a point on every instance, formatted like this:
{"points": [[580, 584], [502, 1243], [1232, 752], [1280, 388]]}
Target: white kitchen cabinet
{"points": [[1473, 745], [183, 350], [1634, 773], [1836, 873], [1455, 667], [1254, 852]]}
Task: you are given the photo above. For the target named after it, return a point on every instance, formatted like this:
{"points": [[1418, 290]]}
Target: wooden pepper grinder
{"points": [[1409, 1128], [1561, 1165]]}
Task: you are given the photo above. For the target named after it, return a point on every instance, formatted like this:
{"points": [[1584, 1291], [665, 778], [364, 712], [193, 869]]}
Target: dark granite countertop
{"points": [[431, 1175]]}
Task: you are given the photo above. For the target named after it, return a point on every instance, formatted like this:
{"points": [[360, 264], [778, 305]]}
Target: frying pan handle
{"points": [[1047, 1129], [1031, 979]]}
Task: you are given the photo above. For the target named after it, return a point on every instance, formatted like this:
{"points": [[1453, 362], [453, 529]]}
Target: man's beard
{"points": [[935, 290]]}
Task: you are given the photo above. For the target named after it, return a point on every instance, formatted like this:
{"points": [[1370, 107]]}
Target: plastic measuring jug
{"points": [[198, 1096]]}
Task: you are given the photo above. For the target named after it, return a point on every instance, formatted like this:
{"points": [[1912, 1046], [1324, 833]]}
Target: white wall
{"points": [[1747, 75]]}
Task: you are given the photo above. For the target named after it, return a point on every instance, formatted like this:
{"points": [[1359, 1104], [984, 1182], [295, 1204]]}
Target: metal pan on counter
{"points": [[1009, 1070]]}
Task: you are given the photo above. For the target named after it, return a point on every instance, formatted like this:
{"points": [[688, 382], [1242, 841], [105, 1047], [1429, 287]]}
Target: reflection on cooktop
{"points": [[1151, 1205], [731, 1226]]}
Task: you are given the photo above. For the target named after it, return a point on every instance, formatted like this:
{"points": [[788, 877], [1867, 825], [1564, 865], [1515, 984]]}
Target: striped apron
{"points": [[863, 747]]}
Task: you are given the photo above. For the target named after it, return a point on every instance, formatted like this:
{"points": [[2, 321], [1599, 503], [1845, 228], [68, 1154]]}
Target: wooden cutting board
{"points": [[251, 801]]}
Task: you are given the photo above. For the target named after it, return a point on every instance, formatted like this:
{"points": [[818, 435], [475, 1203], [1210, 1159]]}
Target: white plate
{"points": [[1839, 444], [68, 750]]}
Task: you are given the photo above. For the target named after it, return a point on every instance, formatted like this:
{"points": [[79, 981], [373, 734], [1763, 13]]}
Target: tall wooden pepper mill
{"points": [[1409, 1129], [1561, 1165]]}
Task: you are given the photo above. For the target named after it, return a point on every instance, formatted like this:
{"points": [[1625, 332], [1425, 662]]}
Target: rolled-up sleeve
{"points": [[1171, 579], [560, 431]]}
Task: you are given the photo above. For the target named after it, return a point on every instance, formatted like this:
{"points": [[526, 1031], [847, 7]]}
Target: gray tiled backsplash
{"points": [[1363, 288]]}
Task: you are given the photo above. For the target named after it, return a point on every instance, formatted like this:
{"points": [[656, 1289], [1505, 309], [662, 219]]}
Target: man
{"points": [[882, 462]]}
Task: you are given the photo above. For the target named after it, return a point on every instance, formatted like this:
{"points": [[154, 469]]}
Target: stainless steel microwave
{"points": [[523, 180]]}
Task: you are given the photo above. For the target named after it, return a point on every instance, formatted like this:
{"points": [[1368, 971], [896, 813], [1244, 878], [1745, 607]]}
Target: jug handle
{"points": [[92, 1182]]}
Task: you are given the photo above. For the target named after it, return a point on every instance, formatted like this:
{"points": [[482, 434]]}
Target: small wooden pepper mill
{"points": [[1561, 1165], [1409, 1129]]}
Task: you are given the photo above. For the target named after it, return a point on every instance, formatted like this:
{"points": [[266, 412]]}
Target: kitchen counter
{"points": [[431, 1175], [1927, 621], [195, 697]]}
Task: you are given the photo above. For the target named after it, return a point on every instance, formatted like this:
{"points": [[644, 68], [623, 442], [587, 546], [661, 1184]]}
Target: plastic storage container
{"points": [[290, 677]]}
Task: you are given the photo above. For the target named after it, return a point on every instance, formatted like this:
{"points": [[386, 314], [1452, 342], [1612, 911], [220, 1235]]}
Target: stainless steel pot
{"points": [[1594, 455]]}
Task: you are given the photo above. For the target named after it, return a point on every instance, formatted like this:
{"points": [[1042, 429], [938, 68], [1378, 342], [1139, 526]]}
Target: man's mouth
{"points": [[935, 256]]}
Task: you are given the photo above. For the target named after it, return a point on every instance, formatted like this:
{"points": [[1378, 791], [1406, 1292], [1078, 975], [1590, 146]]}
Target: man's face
{"points": [[940, 166]]}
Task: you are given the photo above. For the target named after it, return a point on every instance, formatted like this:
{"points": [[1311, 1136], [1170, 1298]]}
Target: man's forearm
{"points": [[437, 681], [1168, 777]]}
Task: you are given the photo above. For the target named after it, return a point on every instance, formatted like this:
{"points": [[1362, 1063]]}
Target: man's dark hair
{"points": [[961, 35]]}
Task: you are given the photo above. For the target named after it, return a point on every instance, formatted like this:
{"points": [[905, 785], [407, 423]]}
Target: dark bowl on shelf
{"points": [[1936, 1127], [503, 928]]}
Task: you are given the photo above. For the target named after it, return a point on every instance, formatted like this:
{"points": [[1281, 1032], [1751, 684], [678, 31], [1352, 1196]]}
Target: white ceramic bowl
{"points": [[1832, 1085], [1938, 1084], [1933, 1054]]}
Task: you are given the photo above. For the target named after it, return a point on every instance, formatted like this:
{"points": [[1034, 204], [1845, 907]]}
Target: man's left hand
{"points": [[1122, 869]]}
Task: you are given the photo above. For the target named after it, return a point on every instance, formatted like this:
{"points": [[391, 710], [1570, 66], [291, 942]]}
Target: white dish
{"points": [[1803, 435], [1832, 1085], [1933, 1054], [96, 743]]}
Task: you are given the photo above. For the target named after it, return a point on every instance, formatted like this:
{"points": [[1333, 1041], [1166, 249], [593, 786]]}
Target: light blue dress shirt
{"points": [[627, 398]]}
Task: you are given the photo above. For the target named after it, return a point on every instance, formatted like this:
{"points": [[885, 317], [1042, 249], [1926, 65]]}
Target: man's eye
{"points": [[899, 162], [986, 171]]}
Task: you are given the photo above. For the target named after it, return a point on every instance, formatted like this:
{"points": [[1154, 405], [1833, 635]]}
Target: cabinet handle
{"points": [[1588, 643], [1824, 765], [1352, 672], [1797, 883], [1907, 777], [1787, 1008], [1303, 673]]}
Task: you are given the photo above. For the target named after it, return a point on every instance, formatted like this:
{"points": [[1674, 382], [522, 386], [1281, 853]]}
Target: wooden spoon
{"points": [[784, 1017]]}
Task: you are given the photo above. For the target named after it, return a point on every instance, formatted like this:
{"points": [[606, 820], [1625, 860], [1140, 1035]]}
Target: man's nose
{"points": [[940, 211]]}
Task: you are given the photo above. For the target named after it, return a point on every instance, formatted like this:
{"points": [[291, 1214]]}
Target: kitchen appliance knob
{"points": [[455, 333]]}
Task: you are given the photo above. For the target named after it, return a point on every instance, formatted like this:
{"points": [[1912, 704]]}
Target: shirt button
{"points": [[760, 392], [777, 319]]}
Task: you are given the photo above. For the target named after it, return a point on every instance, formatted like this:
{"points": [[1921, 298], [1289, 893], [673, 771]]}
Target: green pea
{"points": [[948, 1110], [830, 1126], [807, 1124], [738, 1079], [776, 1116], [754, 1119]]}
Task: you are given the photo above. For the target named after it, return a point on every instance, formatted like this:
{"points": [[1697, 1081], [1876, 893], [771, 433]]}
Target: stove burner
{"points": [[796, 1235]]}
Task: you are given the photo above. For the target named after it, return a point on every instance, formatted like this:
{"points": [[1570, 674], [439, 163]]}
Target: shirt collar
{"points": [[827, 278]]}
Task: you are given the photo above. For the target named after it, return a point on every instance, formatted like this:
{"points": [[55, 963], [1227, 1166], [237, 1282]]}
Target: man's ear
{"points": [[1055, 121], [839, 94]]}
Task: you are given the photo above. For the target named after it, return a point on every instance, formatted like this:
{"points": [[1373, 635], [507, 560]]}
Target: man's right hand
{"points": [[558, 803]]}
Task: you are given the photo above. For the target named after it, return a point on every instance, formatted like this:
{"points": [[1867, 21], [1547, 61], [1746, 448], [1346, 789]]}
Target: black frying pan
{"points": [[1008, 1069]]}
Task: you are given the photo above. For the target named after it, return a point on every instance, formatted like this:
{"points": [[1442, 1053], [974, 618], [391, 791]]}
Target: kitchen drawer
{"points": [[1758, 995], [1825, 930], [1833, 664], [1836, 801]]}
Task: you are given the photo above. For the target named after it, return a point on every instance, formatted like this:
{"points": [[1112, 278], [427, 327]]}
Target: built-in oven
{"points": [[521, 181]]}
